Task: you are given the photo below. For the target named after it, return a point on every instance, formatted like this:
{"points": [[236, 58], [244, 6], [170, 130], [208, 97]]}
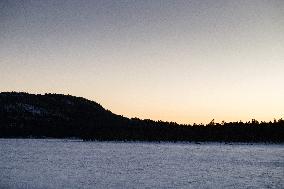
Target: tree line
{"points": [[63, 116]]}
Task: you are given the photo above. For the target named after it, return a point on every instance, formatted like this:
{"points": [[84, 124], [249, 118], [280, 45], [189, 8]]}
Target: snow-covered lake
{"points": [[40, 163]]}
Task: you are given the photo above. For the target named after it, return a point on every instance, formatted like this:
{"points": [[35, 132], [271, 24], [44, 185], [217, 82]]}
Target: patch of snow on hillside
{"points": [[69, 102], [32, 109]]}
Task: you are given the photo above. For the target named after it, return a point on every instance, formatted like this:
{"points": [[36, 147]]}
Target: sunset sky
{"points": [[185, 61]]}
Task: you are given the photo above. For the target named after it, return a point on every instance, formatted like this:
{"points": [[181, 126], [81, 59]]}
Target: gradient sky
{"points": [[184, 61]]}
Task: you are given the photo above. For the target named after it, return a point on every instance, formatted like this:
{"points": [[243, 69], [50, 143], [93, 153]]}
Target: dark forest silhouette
{"points": [[24, 115]]}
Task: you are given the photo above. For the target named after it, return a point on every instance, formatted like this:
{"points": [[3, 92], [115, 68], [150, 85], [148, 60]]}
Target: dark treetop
{"points": [[65, 116]]}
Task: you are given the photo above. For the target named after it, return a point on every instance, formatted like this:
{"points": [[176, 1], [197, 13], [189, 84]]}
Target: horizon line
{"points": [[156, 120]]}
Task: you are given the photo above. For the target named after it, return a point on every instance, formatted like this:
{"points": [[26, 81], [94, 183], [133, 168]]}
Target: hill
{"points": [[65, 116]]}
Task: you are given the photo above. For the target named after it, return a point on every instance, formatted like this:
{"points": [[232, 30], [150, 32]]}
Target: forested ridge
{"points": [[24, 115]]}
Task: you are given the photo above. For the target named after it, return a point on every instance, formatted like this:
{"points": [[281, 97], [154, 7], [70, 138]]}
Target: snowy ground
{"points": [[31, 163]]}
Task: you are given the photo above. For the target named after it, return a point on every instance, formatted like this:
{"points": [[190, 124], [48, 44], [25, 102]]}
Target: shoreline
{"points": [[147, 141]]}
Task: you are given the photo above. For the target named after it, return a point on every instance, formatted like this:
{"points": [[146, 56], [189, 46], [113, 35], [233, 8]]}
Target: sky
{"points": [[185, 61]]}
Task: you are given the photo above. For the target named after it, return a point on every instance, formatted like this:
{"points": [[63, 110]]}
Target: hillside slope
{"points": [[52, 115]]}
